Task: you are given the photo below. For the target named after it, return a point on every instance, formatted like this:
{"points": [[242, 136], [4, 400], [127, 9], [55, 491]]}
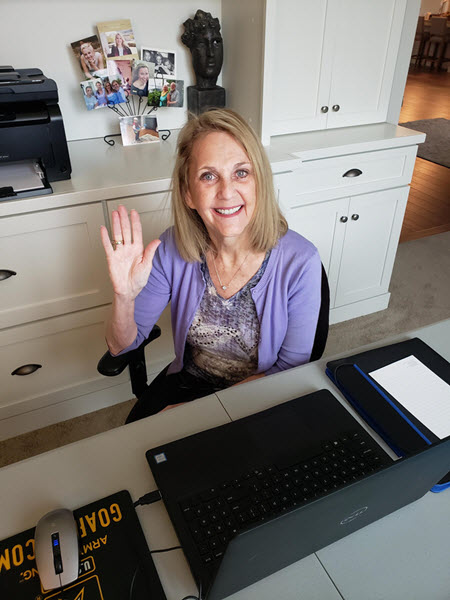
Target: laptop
{"points": [[253, 496]]}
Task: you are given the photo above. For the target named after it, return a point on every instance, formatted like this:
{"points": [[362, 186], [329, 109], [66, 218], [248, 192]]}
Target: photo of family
{"points": [[117, 39], [164, 61], [94, 93], [166, 93], [89, 55], [139, 129], [102, 92], [141, 74]]}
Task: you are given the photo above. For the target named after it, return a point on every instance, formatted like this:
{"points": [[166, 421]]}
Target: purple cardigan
{"points": [[287, 300]]}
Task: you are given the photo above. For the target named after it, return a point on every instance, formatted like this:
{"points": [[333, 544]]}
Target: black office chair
{"points": [[111, 366]]}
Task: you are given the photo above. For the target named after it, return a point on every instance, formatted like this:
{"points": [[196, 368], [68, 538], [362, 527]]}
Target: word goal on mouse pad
{"points": [[115, 561]]}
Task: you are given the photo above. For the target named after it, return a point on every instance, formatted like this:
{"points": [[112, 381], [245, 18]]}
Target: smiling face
{"points": [[222, 186], [88, 52], [119, 40], [143, 74], [115, 86]]}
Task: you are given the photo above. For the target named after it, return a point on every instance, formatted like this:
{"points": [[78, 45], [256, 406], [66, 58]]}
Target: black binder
{"points": [[397, 426], [115, 561]]}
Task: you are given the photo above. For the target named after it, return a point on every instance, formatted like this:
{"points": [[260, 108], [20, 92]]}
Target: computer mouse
{"points": [[56, 549]]}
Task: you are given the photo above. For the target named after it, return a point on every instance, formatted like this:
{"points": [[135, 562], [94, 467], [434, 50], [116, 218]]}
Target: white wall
{"points": [[38, 33]]}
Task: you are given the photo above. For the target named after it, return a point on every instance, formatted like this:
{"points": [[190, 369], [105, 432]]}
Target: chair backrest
{"points": [[438, 26], [420, 27], [323, 321]]}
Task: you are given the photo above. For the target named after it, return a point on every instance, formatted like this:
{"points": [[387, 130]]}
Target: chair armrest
{"points": [[110, 366]]}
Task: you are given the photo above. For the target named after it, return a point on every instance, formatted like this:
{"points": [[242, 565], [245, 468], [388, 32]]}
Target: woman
{"points": [[100, 94], [244, 290], [119, 48], [110, 94], [140, 83], [91, 61], [164, 95]]}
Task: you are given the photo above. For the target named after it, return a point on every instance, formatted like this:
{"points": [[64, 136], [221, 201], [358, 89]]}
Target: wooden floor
{"points": [[427, 96]]}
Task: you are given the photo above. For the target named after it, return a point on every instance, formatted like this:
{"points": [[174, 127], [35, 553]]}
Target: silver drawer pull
{"points": [[355, 217], [343, 219], [6, 274], [26, 369], [352, 173]]}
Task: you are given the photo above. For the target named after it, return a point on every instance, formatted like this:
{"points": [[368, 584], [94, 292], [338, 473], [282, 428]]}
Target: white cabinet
{"points": [[55, 264], [315, 64], [351, 207], [357, 240]]}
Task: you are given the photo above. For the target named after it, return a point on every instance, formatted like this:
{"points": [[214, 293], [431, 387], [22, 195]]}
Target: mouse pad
{"points": [[115, 562]]}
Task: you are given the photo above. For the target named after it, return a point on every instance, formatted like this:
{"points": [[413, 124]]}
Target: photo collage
{"points": [[116, 77]]}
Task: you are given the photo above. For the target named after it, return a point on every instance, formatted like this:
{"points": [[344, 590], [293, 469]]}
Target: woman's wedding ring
{"points": [[117, 243]]}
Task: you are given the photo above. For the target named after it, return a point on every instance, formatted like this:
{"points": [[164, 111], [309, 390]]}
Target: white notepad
{"points": [[420, 391]]}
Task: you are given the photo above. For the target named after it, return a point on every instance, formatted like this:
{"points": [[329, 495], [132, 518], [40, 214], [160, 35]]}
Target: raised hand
{"points": [[128, 262]]}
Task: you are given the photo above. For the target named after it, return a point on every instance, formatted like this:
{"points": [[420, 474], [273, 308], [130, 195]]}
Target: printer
{"points": [[33, 145]]}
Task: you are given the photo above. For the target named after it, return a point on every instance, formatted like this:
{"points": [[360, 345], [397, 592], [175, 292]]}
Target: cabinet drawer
{"points": [[55, 261], [67, 349], [352, 174]]}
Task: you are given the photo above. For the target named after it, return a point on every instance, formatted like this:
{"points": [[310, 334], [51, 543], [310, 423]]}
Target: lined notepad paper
{"points": [[420, 391]]}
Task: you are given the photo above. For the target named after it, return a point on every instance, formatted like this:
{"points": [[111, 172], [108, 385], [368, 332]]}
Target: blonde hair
{"points": [[267, 224], [86, 45]]}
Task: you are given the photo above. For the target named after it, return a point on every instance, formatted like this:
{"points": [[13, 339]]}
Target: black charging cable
{"points": [[148, 498], [151, 498]]}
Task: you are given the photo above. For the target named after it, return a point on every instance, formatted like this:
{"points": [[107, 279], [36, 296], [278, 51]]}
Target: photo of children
{"points": [[89, 55], [139, 129], [164, 61], [117, 39], [142, 72]]}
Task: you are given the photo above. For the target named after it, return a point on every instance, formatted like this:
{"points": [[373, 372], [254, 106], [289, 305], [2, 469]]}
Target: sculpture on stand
{"points": [[203, 38]]}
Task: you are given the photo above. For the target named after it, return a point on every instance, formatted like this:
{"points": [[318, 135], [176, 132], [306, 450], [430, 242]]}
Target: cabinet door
{"points": [[363, 58], [297, 84], [154, 211], [320, 224], [370, 242], [58, 261]]}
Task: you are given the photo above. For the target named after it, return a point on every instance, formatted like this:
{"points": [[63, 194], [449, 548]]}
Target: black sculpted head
{"points": [[203, 38]]}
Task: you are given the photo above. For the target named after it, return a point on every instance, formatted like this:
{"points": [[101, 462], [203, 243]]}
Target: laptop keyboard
{"points": [[219, 513]]}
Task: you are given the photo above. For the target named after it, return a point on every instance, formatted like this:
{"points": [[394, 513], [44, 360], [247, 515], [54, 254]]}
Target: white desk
{"points": [[404, 555]]}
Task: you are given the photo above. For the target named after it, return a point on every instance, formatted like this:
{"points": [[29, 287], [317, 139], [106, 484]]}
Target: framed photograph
{"points": [[139, 129], [164, 61], [89, 55], [94, 94], [117, 39], [141, 74]]}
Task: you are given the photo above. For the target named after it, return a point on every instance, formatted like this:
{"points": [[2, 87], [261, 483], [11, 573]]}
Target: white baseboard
{"points": [[359, 309]]}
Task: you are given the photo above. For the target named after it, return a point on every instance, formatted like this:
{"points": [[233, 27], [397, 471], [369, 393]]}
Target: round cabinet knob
{"points": [[324, 109], [336, 107], [343, 219], [355, 217]]}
